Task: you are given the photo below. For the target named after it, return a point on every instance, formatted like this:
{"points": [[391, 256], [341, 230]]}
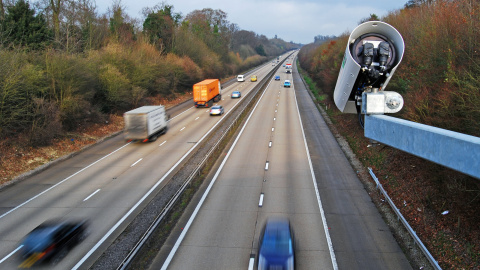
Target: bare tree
{"points": [[55, 5], [2, 11]]}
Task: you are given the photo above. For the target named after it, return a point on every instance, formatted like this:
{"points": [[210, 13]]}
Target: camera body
{"points": [[373, 53]]}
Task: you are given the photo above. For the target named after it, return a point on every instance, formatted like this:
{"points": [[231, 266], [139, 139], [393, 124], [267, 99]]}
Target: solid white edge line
{"points": [[322, 213], [119, 222], [200, 203], [59, 183], [91, 195], [11, 253], [135, 163]]}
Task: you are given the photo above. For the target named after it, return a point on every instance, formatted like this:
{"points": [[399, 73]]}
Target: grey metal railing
{"points": [[404, 221]]}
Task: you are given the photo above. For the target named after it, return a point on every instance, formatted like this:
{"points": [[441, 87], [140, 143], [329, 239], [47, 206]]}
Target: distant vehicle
{"points": [[276, 246], [236, 94], [287, 83], [216, 110], [240, 78], [253, 78], [288, 68], [206, 92], [283, 65], [145, 123], [52, 240], [277, 78]]}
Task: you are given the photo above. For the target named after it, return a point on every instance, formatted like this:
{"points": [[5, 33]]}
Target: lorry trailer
{"points": [[206, 92], [146, 123]]}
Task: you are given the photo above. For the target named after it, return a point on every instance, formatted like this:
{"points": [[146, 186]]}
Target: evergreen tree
{"points": [[21, 27], [160, 27], [260, 50]]}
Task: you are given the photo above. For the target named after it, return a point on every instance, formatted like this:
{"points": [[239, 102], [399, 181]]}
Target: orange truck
{"points": [[206, 92]]}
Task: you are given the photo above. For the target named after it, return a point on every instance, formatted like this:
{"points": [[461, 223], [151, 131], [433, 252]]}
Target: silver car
{"points": [[216, 110]]}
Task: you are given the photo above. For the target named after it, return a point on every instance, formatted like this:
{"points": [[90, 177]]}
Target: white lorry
{"points": [[145, 123]]}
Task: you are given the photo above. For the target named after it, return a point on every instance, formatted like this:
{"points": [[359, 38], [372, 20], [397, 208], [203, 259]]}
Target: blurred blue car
{"points": [[287, 83], [52, 240], [277, 78], [236, 94], [276, 245]]}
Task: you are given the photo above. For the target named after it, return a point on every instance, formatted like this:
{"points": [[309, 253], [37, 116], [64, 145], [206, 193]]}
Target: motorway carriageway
{"points": [[270, 172], [107, 184]]}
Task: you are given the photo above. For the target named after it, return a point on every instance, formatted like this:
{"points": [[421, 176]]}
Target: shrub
{"points": [[46, 122], [116, 88]]}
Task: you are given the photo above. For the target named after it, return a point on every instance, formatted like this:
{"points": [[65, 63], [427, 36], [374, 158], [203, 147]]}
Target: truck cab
{"points": [[288, 68]]}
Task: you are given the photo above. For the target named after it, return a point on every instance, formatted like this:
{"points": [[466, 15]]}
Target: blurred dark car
{"points": [[52, 240], [276, 246], [277, 78]]}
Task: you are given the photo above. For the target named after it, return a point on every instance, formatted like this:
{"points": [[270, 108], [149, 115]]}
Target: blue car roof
{"points": [[277, 240]]}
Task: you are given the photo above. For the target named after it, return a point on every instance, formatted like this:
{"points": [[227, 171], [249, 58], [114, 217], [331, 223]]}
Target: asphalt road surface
{"points": [[106, 184], [336, 224]]}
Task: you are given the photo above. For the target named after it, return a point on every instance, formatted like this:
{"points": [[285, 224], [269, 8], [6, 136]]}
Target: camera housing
{"points": [[373, 53]]}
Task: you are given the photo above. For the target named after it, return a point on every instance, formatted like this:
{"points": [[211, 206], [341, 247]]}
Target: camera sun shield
{"points": [[374, 51]]}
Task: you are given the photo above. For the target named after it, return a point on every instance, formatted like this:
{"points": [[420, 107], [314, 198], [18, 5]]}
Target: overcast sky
{"points": [[294, 20]]}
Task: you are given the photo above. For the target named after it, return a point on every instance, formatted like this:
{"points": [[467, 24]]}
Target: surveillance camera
{"points": [[374, 51]]}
